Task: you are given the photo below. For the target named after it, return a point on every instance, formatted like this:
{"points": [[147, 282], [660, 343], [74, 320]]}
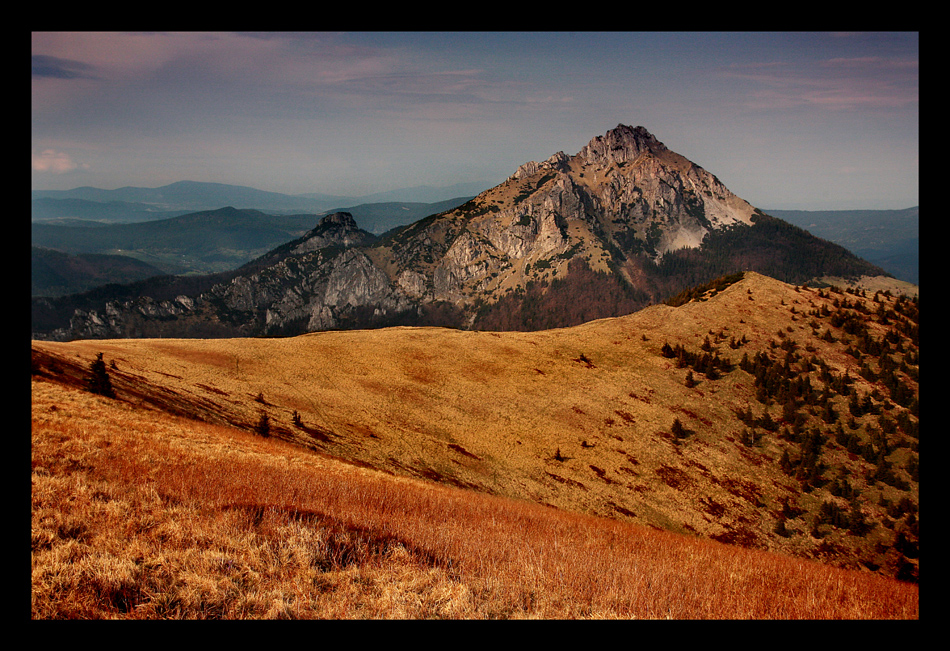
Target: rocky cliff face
{"points": [[617, 208]]}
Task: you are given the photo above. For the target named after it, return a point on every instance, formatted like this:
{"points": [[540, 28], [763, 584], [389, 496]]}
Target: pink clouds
{"points": [[55, 162], [841, 83]]}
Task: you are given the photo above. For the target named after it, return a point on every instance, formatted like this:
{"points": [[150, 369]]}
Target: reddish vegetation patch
{"points": [[640, 398], [755, 458], [674, 477], [693, 415], [744, 489], [626, 416], [442, 477], [211, 389], [584, 361], [621, 510], [601, 473], [563, 480], [632, 459], [318, 433], [460, 449], [740, 536], [702, 469], [712, 507]]}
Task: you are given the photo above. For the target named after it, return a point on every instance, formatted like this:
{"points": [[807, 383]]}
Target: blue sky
{"points": [[787, 120]]}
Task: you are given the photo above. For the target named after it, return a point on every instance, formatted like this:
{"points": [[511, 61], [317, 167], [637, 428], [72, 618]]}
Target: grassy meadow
{"points": [[138, 514]]}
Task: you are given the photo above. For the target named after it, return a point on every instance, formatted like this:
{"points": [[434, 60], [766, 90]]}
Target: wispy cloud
{"points": [[57, 68], [54, 162], [836, 84], [361, 112]]}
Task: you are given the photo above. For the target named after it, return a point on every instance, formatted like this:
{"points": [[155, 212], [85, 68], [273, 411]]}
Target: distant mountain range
{"points": [[887, 238], [88, 244], [622, 224], [135, 204]]}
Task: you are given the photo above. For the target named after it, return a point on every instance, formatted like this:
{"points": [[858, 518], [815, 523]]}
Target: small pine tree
{"points": [[263, 425], [678, 430], [99, 382], [781, 528], [785, 463], [690, 381]]}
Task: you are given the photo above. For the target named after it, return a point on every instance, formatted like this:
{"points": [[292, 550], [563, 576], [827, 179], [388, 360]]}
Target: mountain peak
{"points": [[620, 145], [340, 220], [335, 229]]}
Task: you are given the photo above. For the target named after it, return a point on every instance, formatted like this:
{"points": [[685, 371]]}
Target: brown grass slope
{"points": [[137, 514], [582, 419]]}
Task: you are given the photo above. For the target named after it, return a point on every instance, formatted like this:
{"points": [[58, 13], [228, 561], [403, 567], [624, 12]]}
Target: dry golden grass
{"points": [[579, 419], [139, 514]]}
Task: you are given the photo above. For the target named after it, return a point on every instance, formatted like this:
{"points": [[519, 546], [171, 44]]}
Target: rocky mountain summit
{"points": [[622, 224]]}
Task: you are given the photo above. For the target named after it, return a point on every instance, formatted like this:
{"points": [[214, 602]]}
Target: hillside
{"points": [[384, 216], [754, 413], [887, 238], [54, 273], [141, 515], [203, 242], [94, 213]]}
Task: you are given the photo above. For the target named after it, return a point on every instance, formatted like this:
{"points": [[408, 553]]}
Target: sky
{"points": [[786, 120]]}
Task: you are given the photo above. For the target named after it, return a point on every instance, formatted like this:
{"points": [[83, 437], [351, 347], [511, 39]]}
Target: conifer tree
{"points": [[263, 425], [99, 382], [780, 527], [678, 430]]}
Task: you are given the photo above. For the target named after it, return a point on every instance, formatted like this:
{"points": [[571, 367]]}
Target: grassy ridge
{"points": [[138, 514], [758, 414]]}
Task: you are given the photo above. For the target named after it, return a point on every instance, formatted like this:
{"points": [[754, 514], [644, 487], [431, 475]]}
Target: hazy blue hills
{"points": [[85, 212], [54, 273], [888, 238], [196, 196], [202, 242]]}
